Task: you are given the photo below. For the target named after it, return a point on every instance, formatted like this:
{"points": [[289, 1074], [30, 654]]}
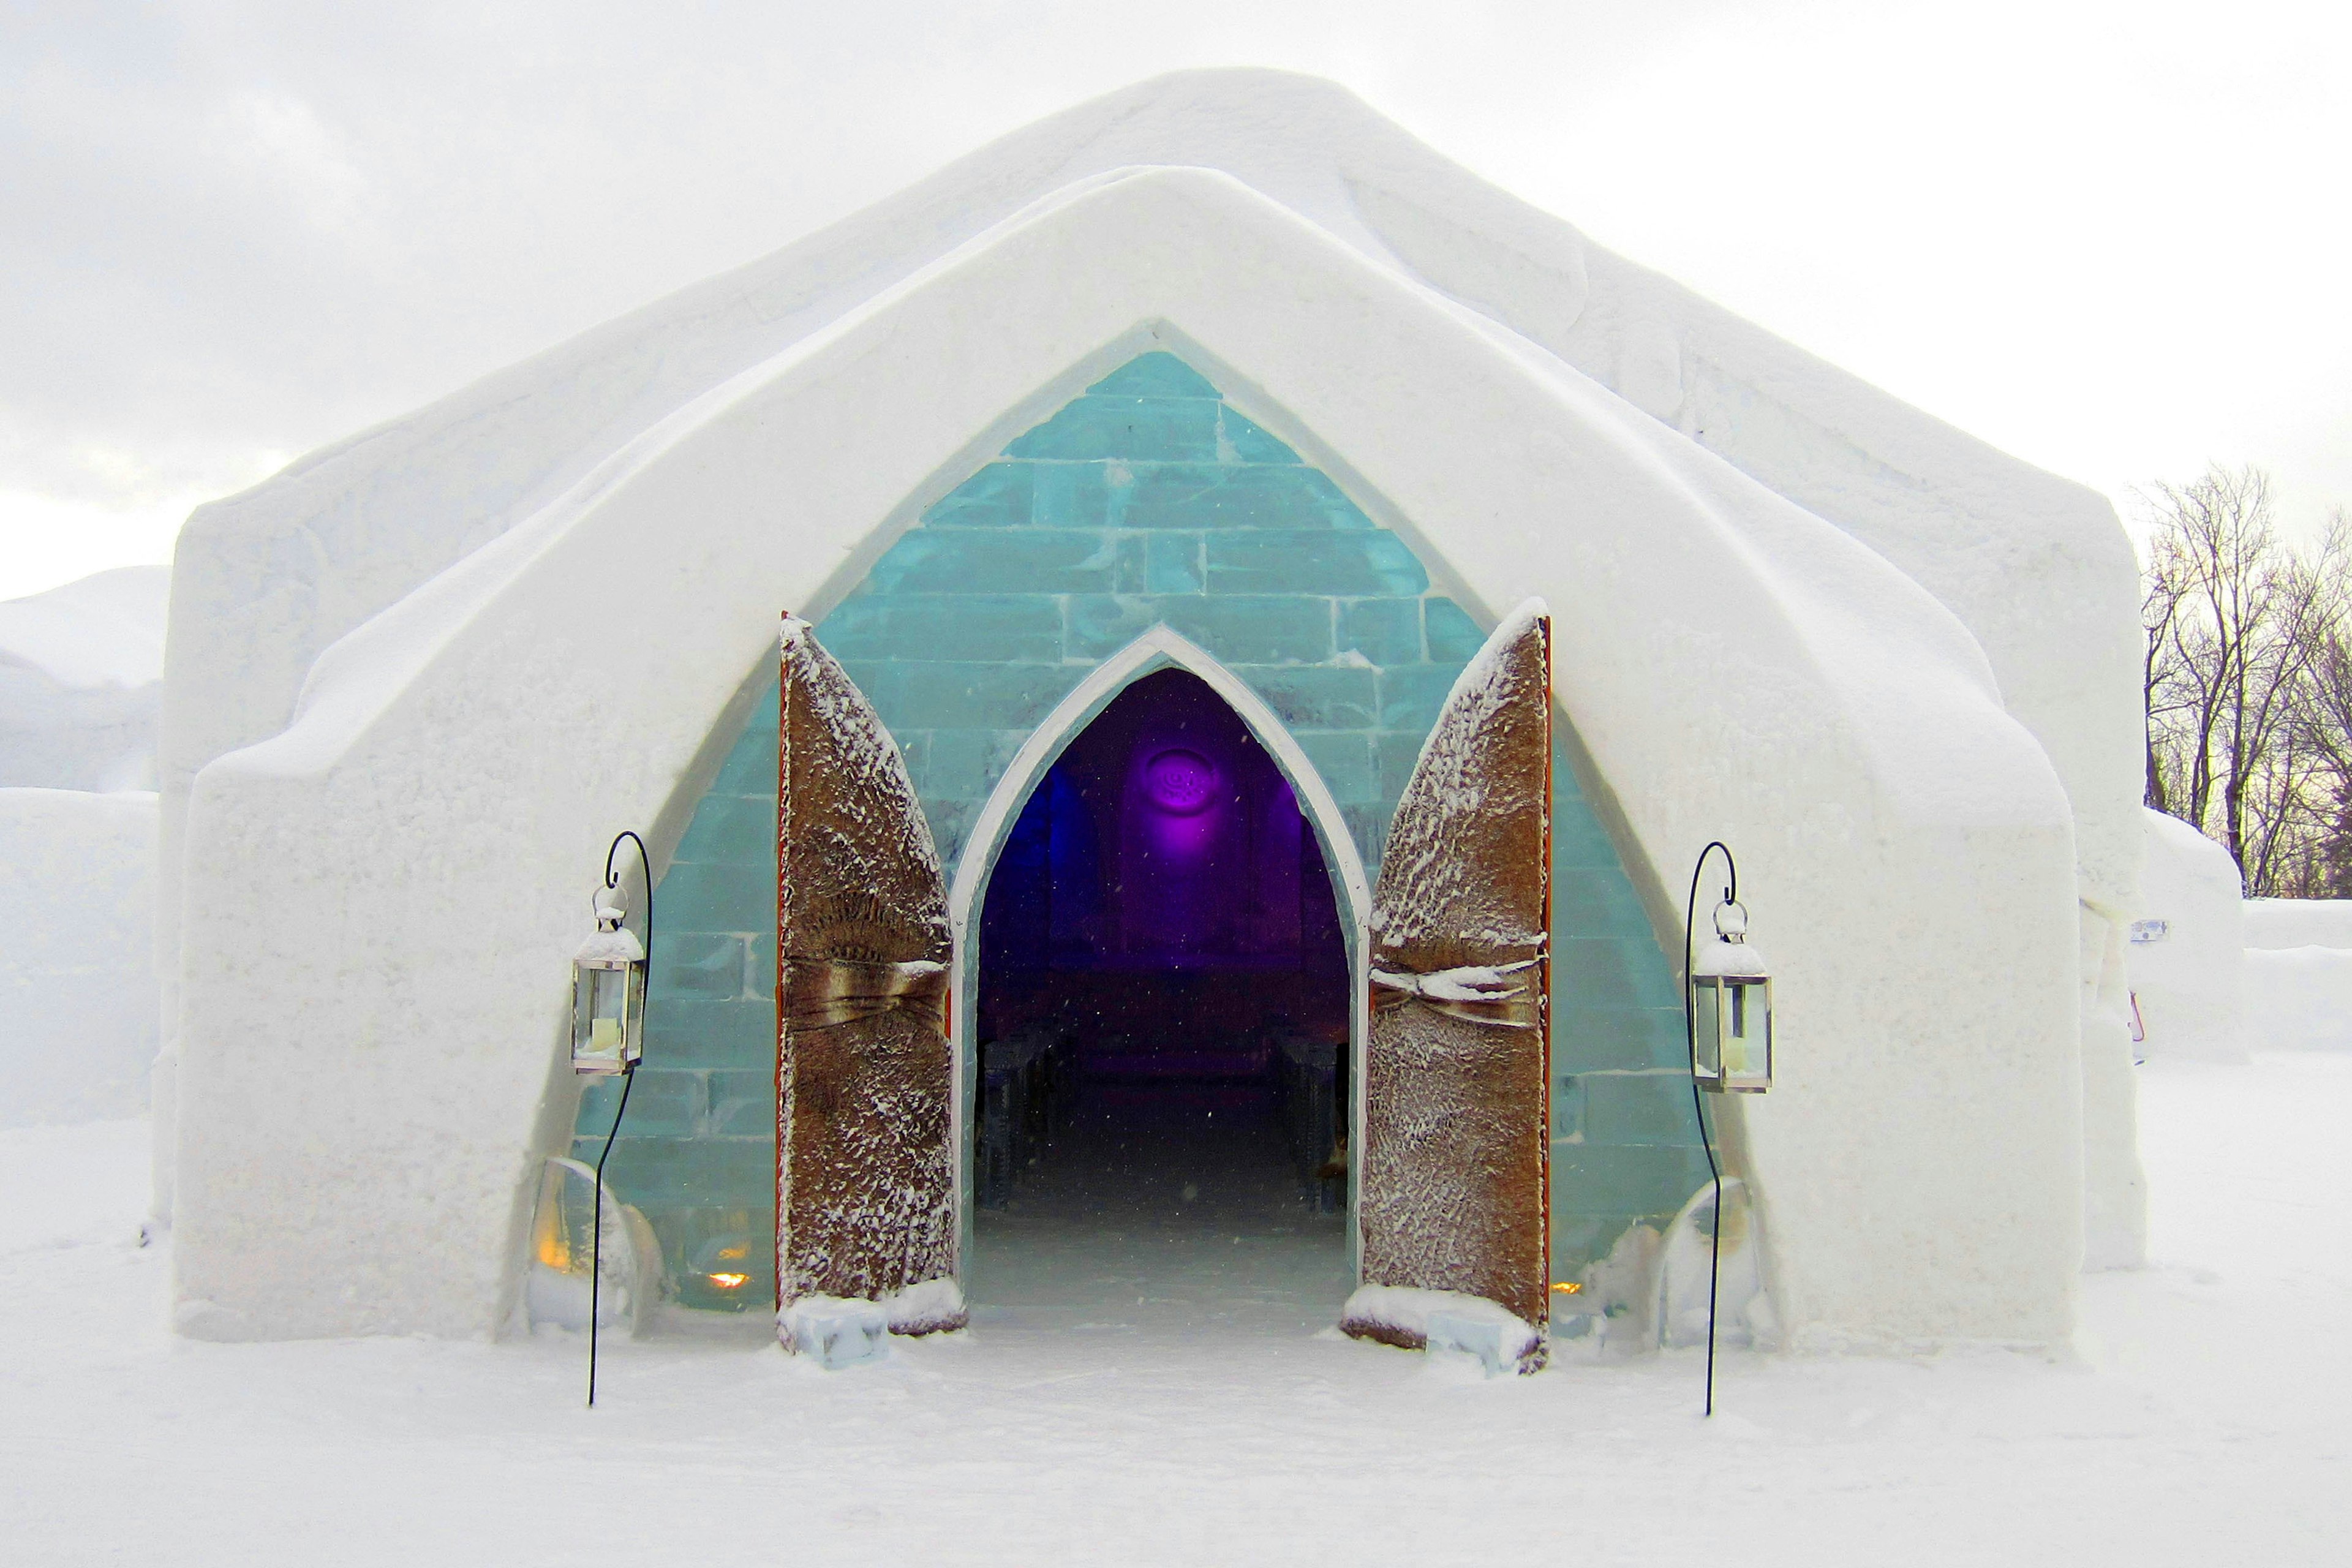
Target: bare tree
{"points": [[2240, 630], [2162, 682], [2325, 738]]}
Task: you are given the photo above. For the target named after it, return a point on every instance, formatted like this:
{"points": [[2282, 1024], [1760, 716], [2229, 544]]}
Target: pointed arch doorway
{"points": [[878, 994], [1161, 1023], [1158, 924]]}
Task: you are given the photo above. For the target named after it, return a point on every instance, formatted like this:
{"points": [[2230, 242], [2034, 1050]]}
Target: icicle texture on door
{"points": [[1453, 1192], [864, 1165]]}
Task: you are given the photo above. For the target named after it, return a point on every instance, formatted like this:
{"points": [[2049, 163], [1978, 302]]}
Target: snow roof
{"points": [[278, 574]]}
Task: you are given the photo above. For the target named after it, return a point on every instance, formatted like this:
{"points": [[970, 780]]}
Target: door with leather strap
{"points": [[865, 1157], [1453, 1196]]}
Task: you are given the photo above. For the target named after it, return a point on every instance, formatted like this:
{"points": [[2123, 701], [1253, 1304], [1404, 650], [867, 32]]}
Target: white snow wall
{"points": [[78, 1001], [2276, 924], [2033, 565], [2188, 955], [371, 1019], [2298, 985]]}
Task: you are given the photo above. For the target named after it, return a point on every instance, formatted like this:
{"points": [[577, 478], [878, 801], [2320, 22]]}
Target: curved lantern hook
{"points": [[613, 879], [628, 1078], [1698, 1105]]}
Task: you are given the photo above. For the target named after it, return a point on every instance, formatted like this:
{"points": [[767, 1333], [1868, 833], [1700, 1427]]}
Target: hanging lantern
{"points": [[608, 994], [1731, 1008]]}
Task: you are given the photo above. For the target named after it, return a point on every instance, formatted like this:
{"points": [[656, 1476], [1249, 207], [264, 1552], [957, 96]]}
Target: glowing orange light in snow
{"points": [[726, 1281]]}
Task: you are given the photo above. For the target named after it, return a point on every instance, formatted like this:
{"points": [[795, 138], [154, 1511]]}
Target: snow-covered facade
{"points": [[1225, 374]]}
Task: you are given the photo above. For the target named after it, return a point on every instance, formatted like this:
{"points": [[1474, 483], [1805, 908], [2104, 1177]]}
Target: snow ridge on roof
{"points": [[278, 574]]}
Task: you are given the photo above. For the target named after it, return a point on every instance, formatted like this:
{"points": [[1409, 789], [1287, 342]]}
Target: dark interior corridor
{"points": [[1163, 990]]}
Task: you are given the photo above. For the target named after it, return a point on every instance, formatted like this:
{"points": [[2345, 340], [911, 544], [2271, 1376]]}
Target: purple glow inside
{"points": [[1160, 887], [1181, 780], [1182, 839]]}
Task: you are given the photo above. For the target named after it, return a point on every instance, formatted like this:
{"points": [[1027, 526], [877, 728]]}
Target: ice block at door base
{"points": [[838, 1333], [1481, 1338]]}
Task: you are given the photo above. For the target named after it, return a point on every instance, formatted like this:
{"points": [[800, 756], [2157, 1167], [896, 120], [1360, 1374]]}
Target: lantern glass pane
{"points": [[1706, 1028], [602, 1018], [632, 1016], [1746, 1035]]}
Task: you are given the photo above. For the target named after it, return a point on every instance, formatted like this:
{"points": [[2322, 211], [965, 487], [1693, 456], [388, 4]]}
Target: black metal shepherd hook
{"points": [[628, 1077], [1698, 1104]]}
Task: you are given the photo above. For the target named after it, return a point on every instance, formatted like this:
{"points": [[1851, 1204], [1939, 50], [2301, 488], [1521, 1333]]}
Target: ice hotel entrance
{"points": [[1145, 805], [893, 1011], [1163, 1020], [1326, 408]]}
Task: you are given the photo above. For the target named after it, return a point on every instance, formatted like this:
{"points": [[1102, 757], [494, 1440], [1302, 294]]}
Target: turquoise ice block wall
{"points": [[1146, 499]]}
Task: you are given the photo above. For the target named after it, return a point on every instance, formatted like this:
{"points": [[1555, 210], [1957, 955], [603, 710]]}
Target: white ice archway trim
{"points": [[1161, 648]]}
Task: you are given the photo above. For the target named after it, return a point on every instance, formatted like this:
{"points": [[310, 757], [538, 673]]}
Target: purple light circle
{"points": [[1181, 781]]}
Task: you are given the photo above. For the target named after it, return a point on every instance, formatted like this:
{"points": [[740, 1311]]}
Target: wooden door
{"points": [[1453, 1194], [864, 1158]]}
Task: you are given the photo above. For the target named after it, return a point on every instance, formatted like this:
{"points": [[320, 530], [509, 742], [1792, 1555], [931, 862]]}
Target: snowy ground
{"points": [[2202, 1420]]}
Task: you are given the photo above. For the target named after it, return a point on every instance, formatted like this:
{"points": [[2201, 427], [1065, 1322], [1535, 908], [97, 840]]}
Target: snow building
{"points": [[1143, 486]]}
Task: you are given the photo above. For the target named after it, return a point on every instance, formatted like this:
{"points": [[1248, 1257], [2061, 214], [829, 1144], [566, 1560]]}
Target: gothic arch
{"points": [[1160, 647]]}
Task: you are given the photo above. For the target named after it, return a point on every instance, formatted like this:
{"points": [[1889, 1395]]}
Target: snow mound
{"points": [[1409, 1319], [82, 669], [844, 1330], [935, 1306], [105, 629]]}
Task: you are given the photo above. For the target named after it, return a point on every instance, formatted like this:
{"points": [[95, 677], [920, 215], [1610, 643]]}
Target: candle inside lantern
{"points": [[1731, 1000], [608, 994]]}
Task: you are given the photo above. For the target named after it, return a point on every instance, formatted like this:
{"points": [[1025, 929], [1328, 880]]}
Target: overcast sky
{"points": [[2112, 238]]}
